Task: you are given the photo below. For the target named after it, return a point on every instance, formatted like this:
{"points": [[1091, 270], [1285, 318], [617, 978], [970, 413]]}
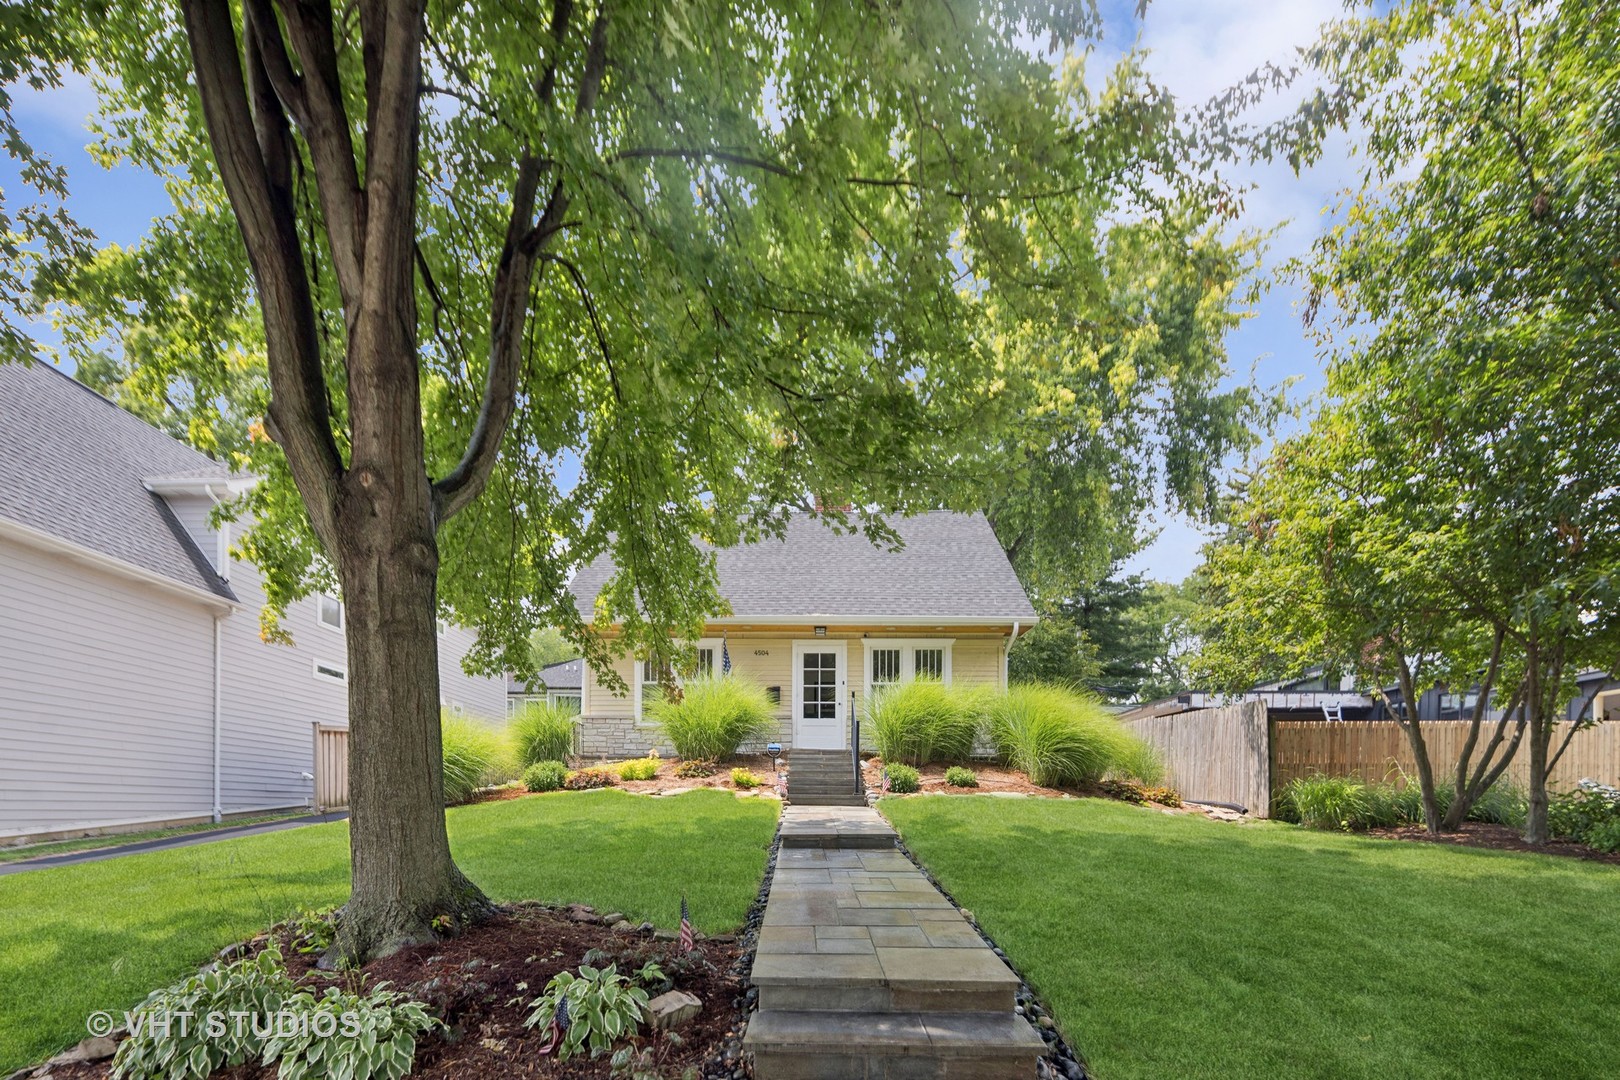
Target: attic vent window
{"points": [[325, 669]]}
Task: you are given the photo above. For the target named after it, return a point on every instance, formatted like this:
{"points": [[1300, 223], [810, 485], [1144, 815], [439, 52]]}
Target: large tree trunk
{"points": [[403, 877]]}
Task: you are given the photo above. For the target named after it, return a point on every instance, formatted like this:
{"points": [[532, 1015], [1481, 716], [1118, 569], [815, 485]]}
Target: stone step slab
{"points": [[790, 1045]]}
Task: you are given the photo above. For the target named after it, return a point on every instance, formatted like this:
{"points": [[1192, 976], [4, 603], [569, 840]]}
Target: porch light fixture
{"points": [[821, 631]]}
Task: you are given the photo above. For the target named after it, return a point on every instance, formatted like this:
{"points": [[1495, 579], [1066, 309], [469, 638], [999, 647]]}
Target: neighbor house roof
{"points": [[564, 675], [950, 568], [74, 466]]}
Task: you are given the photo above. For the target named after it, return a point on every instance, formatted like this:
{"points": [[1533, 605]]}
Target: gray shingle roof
{"points": [[72, 464], [950, 567], [565, 675]]}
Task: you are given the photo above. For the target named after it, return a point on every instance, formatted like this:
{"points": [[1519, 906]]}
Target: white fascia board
{"points": [[36, 538]]}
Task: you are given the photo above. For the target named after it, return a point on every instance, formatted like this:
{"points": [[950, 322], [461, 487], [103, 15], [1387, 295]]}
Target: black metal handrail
{"points": [[855, 742]]}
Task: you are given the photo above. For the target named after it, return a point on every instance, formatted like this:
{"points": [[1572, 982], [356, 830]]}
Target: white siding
{"points": [[477, 695], [270, 699], [106, 697], [192, 511]]}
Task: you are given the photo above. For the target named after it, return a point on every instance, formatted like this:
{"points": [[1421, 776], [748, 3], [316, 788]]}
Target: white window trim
{"points": [[320, 617], [908, 658], [636, 681], [330, 666]]}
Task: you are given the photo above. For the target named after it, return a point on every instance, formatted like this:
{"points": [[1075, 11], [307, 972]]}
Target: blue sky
{"points": [[1196, 48]]}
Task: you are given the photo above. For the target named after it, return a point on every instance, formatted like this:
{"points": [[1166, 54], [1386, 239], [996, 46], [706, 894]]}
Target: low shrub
{"points": [[1060, 738], [922, 721], [694, 768], [1124, 790], [338, 1033], [903, 779], [714, 716], [957, 776], [745, 778], [638, 769], [1590, 814], [603, 1007], [586, 779], [475, 757], [545, 776], [542, 732], [1164, 796]]}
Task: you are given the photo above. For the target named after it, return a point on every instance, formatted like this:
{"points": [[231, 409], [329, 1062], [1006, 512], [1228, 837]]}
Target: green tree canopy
{"points": [[1452, 515], [720, 256]]}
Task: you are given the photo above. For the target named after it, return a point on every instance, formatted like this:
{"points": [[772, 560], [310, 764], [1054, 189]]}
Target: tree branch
{"points": [[251, 146], [513, 276], [325, 123]]}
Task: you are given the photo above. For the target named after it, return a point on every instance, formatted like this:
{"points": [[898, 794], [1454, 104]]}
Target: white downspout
{"points": [[218, 670], [1007, 653], [222, 566]]}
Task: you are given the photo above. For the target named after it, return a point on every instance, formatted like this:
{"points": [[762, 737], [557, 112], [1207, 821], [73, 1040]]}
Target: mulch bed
{"points": [[993, 780], [1480, 834], [482, 982], [667, 783]]}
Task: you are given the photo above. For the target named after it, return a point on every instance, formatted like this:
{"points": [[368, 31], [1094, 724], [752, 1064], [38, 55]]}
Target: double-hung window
{"points": [[652, 677], [890, 661]]}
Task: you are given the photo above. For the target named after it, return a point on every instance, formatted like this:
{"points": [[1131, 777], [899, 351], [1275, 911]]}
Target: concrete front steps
{"points": [[823, 778], [866, 972]]}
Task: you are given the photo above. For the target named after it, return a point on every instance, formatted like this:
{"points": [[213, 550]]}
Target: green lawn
{"points": [[1181, 947], [99, 936]]}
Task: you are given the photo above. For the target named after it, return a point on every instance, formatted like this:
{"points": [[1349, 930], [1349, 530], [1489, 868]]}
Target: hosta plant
{"points": [[603, 1007]]}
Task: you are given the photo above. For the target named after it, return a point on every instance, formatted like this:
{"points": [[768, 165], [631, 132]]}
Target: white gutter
{"points": [[867, 620], [36, 538]]}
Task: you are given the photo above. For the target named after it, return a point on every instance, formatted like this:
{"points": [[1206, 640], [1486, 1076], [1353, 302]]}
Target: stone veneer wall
{"points": [[613, 738]]}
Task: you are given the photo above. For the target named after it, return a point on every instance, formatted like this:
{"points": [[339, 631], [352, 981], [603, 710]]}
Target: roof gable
{"points": [[73, 465], [950, 567]]}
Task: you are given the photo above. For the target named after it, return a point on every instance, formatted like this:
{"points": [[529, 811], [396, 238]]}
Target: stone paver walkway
{"points": [[864, 969]]}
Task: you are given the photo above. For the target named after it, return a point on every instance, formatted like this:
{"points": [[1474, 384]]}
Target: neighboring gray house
{"points": [[134, 687], [821, 619], [556, 684], [1317, 696]]}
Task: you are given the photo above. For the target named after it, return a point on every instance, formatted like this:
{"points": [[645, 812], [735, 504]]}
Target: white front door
{"points": [[820, 691]]}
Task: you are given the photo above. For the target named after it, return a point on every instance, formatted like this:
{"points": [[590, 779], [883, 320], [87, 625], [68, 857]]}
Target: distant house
{"points": [[557, 684], [1315, 696], [822, 619], [134, 687]]}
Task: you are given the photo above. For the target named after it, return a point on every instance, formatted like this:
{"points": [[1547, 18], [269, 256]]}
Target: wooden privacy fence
{"points": [[1377, 750], [1215, 755], [331, 767]]}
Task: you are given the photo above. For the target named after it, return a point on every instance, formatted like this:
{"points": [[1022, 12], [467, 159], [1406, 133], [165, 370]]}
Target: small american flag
{"points": [[560, 1023], [686, 940], [885, 778], [725, 657]]}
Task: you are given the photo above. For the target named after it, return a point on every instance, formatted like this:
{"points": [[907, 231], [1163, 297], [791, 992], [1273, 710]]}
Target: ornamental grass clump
{"points": [[1060, 738], [922, 721], [542, 732], [713, 716], [475, 756], [1330, 802]]}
